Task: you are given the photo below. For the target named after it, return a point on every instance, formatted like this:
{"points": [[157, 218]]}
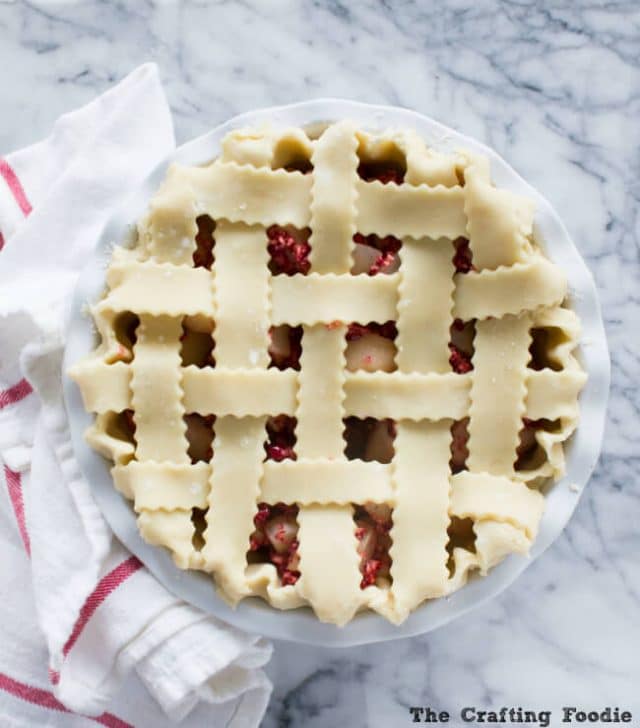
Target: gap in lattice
{"points": [[373, 524], [373, 254], [285, 346], [462, 255], [530, 455], [199, 433], [544, 340], [369, 439], [293, 156], [281, 438], [288, 249], [199, 521], [315, 130], [203, 256], [122, 426], [461, 345], [461, 535], [125, 326], [371, 347], [275, 540], [196, 342], [383, 162], [459, 445]]}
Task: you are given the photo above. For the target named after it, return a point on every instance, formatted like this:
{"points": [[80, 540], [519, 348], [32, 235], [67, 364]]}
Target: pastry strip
{"points": [[406, 396], [241, 294], [158, 290], [499, 221], [313, 299], [153, 486], [236, 471], [242, 193], [173, 530], [405, 210], [333, 200], [496, 293], [239, 392], [424, 310], [330, 578], [319, 413], [326, 481], [495, 498], [420, 516], [497, 393], [157, 398]]}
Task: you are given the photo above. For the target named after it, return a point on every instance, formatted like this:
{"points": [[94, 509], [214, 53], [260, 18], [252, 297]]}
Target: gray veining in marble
{"points": [[555, 88]]}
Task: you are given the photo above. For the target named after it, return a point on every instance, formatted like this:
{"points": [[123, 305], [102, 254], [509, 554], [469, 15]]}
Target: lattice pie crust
{"points": [[508, 404]]}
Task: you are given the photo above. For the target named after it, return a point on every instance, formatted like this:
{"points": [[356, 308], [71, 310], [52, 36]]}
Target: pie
{"points": [[335, 369]]}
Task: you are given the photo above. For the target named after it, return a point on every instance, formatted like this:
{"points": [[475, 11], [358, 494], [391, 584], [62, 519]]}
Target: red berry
{"points": [[288, 255], [370, 572], [460, 362], [289, 577]]}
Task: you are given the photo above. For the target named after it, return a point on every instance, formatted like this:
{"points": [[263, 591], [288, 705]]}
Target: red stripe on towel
{"points": [[45, 699], [15, 393], [17, 190], [14, 486], [105, 586]]}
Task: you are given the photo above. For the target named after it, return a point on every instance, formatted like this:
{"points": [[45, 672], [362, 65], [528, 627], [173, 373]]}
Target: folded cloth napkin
{"points": [[109, 627]]}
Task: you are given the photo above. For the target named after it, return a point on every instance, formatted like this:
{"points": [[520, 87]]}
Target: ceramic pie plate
{"points": [[301, 625]]}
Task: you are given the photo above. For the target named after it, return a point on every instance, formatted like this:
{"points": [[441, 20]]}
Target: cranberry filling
{"points": [[281, 438], [289, 251], [383, 171], [203, 255], [373, 524], [285, 346], [460, 362], [461, 346], [274, 540], [374, 254], [463, 257]]}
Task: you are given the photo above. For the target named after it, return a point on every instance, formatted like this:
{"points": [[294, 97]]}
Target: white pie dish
{"points": [[301, 625]]}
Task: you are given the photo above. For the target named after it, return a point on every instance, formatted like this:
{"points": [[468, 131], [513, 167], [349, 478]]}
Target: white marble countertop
{"points": [[554, 87]]}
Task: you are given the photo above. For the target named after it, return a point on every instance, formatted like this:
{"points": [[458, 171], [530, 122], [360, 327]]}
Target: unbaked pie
{"points": [[335, 369]]}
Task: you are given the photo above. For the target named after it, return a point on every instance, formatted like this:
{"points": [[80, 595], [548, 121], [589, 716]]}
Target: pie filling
{"points": [[281, 438], [274, 540], [285, 346], [373, 527], [355, 338], [373, 254], [289, 250]]}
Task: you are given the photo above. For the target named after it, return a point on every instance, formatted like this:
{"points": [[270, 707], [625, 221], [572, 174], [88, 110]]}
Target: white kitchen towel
{"points": [[108, 626]]}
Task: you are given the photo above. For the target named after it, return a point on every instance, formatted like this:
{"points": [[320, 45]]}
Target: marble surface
{"points": [[555, 88]]}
